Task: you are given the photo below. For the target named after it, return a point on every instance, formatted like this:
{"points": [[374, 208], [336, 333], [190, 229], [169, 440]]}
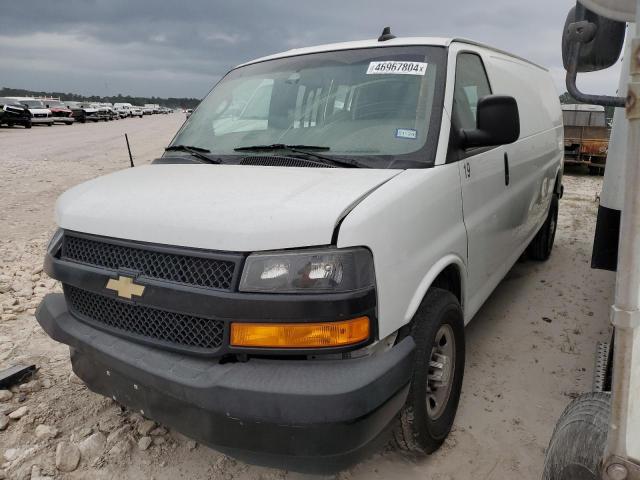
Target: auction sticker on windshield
{"points": [[397, 68]]}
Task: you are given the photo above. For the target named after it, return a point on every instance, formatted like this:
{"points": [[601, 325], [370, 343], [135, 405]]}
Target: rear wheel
{"points": [[542, 244], [438, 368]]}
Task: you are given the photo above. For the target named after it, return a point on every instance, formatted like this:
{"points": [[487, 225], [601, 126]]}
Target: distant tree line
{"points": [[566, 98], [165, 102]]}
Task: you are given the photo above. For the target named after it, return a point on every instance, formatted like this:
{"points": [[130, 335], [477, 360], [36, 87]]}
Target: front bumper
{"points": [[44, 120], [273, 412], [61, 119]]}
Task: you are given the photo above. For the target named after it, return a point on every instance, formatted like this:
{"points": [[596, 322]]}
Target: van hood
{"points": [[219, 207]]}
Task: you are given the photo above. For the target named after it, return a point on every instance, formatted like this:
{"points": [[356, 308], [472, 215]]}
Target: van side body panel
{"points": [[413, 225], [534, 162]]}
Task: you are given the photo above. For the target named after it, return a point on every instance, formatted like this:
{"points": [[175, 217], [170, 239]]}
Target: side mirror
{"points": [[601, 40], [498, 123]]}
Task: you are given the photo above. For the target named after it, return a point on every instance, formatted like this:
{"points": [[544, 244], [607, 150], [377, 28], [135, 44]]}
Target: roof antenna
{"points": [[386, 35]]}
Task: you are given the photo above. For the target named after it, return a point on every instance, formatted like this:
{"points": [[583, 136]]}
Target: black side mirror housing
{"points": [[601, 40], [498, 123]]}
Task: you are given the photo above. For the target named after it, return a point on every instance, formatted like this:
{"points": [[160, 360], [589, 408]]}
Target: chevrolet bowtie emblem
{"points": [[125, 287]]}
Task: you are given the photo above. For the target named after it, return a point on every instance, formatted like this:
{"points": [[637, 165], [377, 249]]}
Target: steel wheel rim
{"points": [[440, 372]]}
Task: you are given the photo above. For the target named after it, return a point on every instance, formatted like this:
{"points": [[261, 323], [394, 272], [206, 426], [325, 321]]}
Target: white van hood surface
{"points": [[219, 207]]}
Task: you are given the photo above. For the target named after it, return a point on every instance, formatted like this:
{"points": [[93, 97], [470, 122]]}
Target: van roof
{"points": [[395, 42]]}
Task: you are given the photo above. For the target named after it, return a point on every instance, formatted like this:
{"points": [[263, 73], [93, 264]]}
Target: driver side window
{"points": [[471, 85]]}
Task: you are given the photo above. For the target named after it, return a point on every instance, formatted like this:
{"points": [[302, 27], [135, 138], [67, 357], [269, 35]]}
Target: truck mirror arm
{"points": [[579, 33]]}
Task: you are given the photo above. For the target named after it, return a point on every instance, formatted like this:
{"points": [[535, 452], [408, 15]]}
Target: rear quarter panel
{"points": [[536, 159]]}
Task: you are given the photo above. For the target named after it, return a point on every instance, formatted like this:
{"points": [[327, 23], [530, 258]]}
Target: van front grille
{"points": [[186, 267], [145, 323]]}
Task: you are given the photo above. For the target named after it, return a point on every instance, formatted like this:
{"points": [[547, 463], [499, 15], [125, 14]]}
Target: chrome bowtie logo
{"points": [[125, 287]]}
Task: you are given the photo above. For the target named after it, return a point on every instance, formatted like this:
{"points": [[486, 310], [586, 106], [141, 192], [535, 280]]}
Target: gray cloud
{"points": [[180, 48]]}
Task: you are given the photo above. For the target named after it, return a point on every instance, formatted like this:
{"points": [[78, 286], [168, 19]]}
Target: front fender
{"points": [[427, 281], [414, 226]]}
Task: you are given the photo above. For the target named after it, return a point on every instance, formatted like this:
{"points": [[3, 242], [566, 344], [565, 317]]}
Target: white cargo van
{"points": [[294, 275]]}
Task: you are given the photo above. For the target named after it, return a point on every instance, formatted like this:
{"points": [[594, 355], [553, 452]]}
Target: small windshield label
{"points": [[408, 133], [391, 67]]}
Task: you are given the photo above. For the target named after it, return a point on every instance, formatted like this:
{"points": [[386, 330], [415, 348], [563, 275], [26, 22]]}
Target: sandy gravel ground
{"points": [[530, 348]]}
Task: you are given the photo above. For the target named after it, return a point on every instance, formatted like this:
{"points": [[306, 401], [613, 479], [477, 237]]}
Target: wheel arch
{"points": [[448, 273]]}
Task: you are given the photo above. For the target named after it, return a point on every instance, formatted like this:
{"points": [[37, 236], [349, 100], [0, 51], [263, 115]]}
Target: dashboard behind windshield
{"points": [[381, 106]]}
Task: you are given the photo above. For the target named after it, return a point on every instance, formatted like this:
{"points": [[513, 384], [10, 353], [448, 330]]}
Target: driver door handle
{"points": [[506, 169]]}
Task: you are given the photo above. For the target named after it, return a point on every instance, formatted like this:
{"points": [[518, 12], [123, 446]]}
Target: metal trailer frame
{"points": [[622, 455], [622, 452], [621, 460]]}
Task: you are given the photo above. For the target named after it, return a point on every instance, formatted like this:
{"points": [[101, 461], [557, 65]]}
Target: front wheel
{"points": [[540, 247], [28, 124], [438, 368]]}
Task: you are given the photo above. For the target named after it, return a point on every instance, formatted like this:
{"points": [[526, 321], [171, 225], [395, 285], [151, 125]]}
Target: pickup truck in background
{"points": [[39, 113], [13, 113], [83, 112], [59, 111], [586, 136]]}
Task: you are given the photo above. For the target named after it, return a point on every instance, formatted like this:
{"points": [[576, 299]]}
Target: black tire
{"points": [[49, 124], [28, 124], [10, 125], [593, 170], [540, 247], [579, 439], [422, 428]]}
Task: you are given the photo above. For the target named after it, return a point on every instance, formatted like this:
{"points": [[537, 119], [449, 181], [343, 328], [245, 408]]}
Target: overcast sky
{"points": [[180, 48]]}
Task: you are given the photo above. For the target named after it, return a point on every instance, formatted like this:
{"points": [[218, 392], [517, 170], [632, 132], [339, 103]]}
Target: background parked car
{"points": [[136, 111], [59, 111], [147, 110], [83, 112], [109, 110], [13, 113], [124, 109], [39, 113]]}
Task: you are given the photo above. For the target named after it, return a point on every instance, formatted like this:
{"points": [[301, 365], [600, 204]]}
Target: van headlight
{"points": [[309, 271]]}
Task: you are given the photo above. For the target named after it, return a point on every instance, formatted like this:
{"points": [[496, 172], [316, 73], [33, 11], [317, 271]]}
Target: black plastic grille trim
{"points": [[279, 161], [141, 321], [200, 271]]}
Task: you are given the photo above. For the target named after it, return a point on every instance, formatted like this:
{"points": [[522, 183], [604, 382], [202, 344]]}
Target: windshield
{"points": [[32, 103], [381, 106], [54, 103]]}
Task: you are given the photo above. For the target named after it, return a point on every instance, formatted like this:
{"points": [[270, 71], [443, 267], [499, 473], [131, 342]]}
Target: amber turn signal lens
{"points": [[300, 335]]}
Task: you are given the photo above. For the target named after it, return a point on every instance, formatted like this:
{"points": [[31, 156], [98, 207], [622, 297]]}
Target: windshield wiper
{"points": [[197, 152], [309, 150], [282, 146]]}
